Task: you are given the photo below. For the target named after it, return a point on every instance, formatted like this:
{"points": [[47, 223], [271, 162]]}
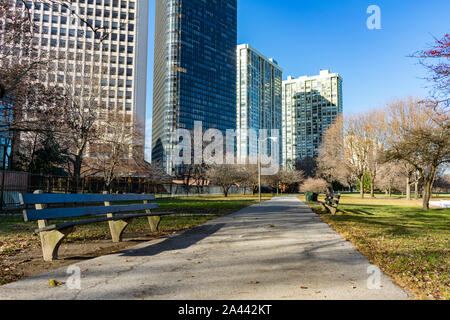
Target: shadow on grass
{"points": [[399, 221], [360, 212]]}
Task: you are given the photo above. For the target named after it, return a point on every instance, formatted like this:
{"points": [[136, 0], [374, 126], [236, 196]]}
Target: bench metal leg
{"points": [[51, 240], [154, 222], [117, 228]]}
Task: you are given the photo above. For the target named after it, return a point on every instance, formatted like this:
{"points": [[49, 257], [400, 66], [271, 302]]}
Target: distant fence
{"points": [[12, 183]]}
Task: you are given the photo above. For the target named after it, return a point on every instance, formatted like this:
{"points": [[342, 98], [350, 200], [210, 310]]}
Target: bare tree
{"points": [[419, 134], [330, 162], [436, 60], [375, 128], [284, 179], [116, 148], [224, 176], [76, 122], [248, 176], [358, 147], [25, 103], [389, 177], [315, 185]]}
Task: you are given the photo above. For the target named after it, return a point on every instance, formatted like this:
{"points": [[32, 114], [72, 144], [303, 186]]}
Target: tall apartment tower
{"points": [[117, 63], [310, 106], [194, 72], [259, 98]]}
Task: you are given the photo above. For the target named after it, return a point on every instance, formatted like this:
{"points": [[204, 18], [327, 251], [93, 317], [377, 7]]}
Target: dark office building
{"points": [[195, 70]]}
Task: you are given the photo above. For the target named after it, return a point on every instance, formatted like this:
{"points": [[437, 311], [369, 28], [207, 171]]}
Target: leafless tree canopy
{"points": [[409, 140]]}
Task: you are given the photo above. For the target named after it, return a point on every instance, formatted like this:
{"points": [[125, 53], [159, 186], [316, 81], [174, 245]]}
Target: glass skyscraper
{"points": [[310, 106], [194, 71], [258, 99]]}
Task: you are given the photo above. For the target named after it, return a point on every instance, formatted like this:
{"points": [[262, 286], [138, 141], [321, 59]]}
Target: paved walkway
{"points": [[279, 250]]}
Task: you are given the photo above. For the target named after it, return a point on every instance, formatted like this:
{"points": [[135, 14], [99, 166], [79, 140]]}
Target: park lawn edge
{"points": [[369, 250], [20, 236]]}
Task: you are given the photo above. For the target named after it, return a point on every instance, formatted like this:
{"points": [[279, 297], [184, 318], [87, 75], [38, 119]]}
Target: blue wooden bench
{"points": [[331, 203], [48, 206]]}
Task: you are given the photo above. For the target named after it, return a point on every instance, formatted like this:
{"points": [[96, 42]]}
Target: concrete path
{"points": [[279, 250]]}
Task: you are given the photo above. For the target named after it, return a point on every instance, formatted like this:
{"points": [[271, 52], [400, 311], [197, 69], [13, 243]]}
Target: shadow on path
{"points": [[180, 241]]}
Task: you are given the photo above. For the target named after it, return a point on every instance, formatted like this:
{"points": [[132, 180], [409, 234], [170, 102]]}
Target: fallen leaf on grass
{"points": [[254, 282], [304, 288]]}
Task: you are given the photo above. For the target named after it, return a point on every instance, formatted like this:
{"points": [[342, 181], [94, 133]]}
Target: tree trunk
{"points": [[416, 190], [361, 186], [427, 194], [76, 173], [428, 182], [390, 192], [408, 188], [372, 186]]}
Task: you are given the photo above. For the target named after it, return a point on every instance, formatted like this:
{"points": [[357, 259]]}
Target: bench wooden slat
{"points": [[53, 198], [60, 226], [33, 215]]}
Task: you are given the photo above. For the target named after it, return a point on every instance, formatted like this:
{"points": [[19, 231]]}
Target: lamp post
{"points": [[259, 162]]}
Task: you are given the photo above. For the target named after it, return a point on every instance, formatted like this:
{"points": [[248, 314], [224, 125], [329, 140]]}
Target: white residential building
{"points": [[114, 57], [310, 106]]}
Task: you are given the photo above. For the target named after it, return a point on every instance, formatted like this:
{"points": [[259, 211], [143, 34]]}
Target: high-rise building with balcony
{"points": [[310, 106], [194, 70], [259, 100], [103, 42]]}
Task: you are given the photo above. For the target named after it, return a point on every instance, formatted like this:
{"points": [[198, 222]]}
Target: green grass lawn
{"points": [[409, 244], [17, 235]]}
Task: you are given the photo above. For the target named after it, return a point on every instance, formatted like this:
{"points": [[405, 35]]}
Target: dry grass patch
{"points": [[407, 243]]}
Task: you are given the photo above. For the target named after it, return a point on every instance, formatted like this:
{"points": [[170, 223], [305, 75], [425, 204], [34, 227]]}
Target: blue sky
{"points": [[306, 36]]}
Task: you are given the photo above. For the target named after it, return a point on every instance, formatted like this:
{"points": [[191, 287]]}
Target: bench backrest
{"points": [[80, 211], [333, 198]]}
